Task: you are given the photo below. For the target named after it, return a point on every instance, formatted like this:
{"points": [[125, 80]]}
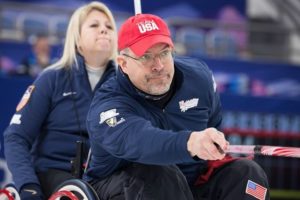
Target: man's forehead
{"points": [[157, 48]]}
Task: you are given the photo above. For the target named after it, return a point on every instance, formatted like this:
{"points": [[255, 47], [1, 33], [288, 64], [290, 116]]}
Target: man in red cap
{"points": [[154, 127]]}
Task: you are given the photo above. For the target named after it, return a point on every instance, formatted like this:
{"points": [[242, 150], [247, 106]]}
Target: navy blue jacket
{"points": [[124, 127], [43, 133]]}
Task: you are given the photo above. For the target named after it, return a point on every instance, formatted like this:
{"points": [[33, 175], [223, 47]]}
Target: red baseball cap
{"points": [[142, 31]]}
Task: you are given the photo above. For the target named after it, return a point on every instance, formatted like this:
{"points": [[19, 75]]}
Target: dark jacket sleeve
{"points": [[118, 128], [24, 129]]}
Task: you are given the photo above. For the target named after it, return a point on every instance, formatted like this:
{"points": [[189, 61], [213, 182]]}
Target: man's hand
{"points": [[31, 192], [208, 144]]}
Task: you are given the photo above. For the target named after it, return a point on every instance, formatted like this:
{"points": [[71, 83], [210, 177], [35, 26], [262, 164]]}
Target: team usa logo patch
{"points": [[25, 98], [110, 118], [185, 105], [256, 190]]}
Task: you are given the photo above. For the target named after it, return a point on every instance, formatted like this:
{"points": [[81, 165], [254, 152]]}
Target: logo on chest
{"points": [[185, 105], [110, 117]]}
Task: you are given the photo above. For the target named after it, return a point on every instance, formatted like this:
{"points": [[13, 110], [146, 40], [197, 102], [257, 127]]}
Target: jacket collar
{"points": [[81, 68]]}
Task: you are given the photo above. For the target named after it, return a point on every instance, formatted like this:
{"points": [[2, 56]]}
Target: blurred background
{"points": [[252, 47]]}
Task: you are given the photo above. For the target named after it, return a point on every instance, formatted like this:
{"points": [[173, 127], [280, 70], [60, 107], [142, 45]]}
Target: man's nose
{"points": [[157, 64]]}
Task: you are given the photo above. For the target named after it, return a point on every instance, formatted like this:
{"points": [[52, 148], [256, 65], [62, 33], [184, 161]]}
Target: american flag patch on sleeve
{"points": [[256, 190]]}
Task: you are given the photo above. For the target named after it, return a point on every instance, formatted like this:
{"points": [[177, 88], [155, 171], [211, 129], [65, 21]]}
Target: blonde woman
{"points": [[41, 140]]}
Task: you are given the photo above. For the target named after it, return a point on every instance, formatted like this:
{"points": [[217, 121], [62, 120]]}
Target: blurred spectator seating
{"points": [[33, 25], [60, 29], [38, 58], [229, 38], [13, 53], [57, 28], [20, 23], [193, 41], [8, 27], [221, 44], [7, 22]]}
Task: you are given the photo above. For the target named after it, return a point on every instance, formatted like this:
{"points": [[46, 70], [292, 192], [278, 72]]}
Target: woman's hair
{"points": [[68, 58]]}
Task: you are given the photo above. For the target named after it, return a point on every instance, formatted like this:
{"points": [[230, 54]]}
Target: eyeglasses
{"points": [[148, 59]]}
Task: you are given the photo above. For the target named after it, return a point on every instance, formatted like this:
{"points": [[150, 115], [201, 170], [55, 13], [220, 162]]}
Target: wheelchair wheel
{"points": [[74, 189], [9, 193]]}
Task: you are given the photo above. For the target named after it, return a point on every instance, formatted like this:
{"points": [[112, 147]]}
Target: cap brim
{"points": [[141, 46]]}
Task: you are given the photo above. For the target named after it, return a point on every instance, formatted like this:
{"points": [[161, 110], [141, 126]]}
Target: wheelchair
{"points": [[73, 189], [9, 193]]}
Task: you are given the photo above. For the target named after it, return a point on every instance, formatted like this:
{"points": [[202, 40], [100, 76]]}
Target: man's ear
{"points": [[122, 62]]}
